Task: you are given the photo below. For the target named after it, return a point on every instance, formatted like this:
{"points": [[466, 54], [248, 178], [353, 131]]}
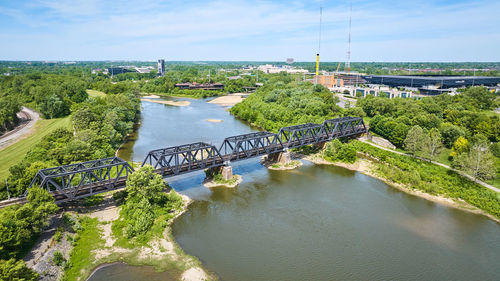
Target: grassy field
{"points": [[15, 153], [94, 93]]}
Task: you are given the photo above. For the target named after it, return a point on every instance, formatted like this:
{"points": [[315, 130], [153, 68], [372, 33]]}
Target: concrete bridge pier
{"points": [[280, 157], [226, 171]]}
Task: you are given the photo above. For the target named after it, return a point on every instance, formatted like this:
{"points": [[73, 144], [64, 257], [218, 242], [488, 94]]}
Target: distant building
{"points": [[267, 68], [384, 91], [144, 69], [198, 86], [161, 67], [289, 60], [328, 81], [119, 70]]}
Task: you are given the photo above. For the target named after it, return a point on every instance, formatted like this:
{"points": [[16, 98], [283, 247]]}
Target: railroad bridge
{"points": [[84, 179]]}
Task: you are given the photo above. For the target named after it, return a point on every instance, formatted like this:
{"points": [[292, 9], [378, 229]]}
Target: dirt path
{"points": [[28, 119], [488, 186]]}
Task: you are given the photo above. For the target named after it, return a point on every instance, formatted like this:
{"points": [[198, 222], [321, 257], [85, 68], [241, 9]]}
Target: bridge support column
{"points": [[225, 171], [280, 157]]}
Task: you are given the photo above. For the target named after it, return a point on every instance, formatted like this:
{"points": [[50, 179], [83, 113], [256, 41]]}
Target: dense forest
{"points": [[51, 95], [282, 102]]}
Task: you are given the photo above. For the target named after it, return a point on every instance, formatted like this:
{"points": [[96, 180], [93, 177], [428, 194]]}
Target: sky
{"points": [[215, 30]]}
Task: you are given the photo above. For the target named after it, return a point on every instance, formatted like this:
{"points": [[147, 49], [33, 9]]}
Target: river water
{"points": [[311, 223]]}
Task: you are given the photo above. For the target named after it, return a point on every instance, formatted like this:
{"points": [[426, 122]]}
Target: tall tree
{"points": [[414, 139], [433, 143], [478, 161]]}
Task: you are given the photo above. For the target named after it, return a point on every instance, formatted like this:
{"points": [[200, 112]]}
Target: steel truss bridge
{"points": [[84, 179]]}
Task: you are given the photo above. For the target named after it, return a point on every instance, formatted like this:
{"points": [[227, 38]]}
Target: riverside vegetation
{"points": [[463, 123], [138, 236]]}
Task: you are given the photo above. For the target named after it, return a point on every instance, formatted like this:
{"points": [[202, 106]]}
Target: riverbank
{"points": [[161, 252], [168, 102], [92, 244], [366, 166], [228, 100]]}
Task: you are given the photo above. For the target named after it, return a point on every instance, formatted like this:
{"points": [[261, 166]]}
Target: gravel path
{"points": [[28, 119]]}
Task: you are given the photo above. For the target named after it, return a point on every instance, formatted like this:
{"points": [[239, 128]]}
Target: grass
{"points": [[16, 152], [82, 258], [94, 93], [218, 179]]}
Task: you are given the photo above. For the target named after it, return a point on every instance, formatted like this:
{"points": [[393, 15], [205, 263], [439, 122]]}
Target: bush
{"points": [[58, 258], [93, 200], [59, 234], [338, 151]]}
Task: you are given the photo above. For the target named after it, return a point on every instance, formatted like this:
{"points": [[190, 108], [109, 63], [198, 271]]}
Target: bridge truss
{"points": [[181, 159], [300, 135], [83, 179], [250, 145]]}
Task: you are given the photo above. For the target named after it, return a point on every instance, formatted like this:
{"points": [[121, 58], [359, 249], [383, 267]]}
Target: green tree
{"points": [[478, 161], [12, 270], [144, 183], [460, 145], [450, 134], [414, 139], [144, 191], [433, 143]]}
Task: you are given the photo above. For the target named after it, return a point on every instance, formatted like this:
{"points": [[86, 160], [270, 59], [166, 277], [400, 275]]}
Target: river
{"points": [[311, 223]]}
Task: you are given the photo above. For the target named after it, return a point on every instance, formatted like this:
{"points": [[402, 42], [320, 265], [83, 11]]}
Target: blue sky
{"points": [[248, 30]]}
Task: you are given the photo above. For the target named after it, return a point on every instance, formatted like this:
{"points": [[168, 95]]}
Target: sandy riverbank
{"points": [[214, 120], [158, 252], [168, 102], [228, 100], [365, 167], [150, 97], [162, 252]]}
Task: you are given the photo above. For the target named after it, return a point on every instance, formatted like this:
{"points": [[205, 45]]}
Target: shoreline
{"points": [[364, 166], [161, 252], [167, 102], [228, 100]]}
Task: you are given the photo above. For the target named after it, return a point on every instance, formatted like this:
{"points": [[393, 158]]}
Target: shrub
{"points": [[59, 234], [58, 258]]}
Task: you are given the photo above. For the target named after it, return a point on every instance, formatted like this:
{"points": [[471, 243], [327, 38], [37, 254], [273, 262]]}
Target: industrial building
{"points": [[437, 82]]}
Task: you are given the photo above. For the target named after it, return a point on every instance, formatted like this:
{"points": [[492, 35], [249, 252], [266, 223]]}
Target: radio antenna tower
{"points": [[348, 63], [319, 41]]}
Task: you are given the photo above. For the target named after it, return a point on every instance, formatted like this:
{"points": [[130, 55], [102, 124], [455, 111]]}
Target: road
{"points": [[488, 186], [28, 119]]}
